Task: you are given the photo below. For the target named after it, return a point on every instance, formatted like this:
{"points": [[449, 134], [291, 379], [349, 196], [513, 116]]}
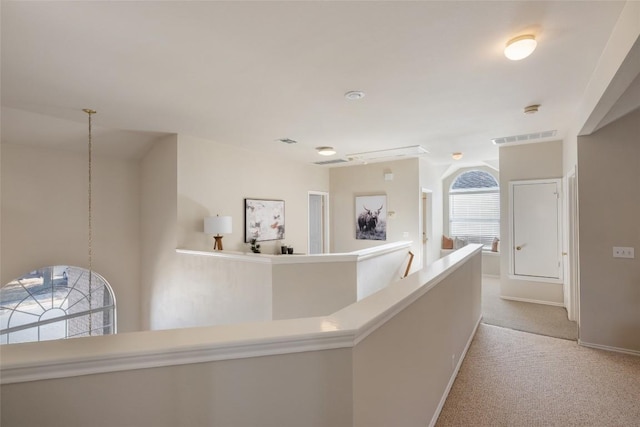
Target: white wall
{"points": [[308, 290], [401, 371], [521, 162], [144, 209], [403, 197], [310, 389], [376, 273], [616, 68], [44, 219], [185, 179], [158, 231], [208, 291], [215, 179], [609, 210]]}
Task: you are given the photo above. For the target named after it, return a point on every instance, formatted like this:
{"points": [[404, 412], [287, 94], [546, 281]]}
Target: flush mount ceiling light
{"points": [[531, 109], [456, 156], [354, 95], [326, 151], [520, 47]]}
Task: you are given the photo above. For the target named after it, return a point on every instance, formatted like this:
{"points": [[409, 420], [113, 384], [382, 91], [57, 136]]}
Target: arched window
{"points": [[474, 207], [54, 303]]}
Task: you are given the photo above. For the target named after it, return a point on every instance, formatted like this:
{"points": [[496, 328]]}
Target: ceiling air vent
{"points": [[529, 137], [288, 141], [330, 162]]}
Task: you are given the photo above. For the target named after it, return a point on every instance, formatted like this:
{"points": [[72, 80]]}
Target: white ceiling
{"points": [[249, 73]]}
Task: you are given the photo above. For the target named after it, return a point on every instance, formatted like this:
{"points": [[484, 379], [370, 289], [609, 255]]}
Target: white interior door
{"points": [[536, 229], [318, 239]]}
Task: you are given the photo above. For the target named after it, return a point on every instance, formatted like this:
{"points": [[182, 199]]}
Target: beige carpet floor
{"points": [[523, 316], [512, 378]]}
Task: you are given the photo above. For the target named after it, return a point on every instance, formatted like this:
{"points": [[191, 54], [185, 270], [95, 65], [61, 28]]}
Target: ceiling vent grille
{"points": [[411, 151], [529, 137], [288, 141], [330, 162]]}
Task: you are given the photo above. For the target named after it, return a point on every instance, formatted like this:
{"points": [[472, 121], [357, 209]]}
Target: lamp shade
{"points": [[217, 225]]}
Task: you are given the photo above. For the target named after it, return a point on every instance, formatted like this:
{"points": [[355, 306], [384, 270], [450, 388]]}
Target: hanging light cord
{"points": [[90, 112]]}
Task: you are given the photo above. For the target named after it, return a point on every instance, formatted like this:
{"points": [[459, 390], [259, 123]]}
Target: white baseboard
{"points": [[443, 399], [534, 301], [609, 348], [491, 276]]}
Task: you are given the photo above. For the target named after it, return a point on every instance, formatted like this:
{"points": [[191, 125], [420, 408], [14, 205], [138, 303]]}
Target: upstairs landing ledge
{"points": [[148, 349], [359, 255]]}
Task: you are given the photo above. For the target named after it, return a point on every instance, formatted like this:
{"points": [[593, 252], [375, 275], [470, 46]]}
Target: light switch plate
{"points": [[623, 252]]}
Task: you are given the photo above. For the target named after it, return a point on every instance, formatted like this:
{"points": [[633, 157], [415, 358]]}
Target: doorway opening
{"points": [[426, 224]]}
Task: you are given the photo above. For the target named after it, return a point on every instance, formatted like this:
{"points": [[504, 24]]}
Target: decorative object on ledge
{"points": [[406, 272], [263, 220], [447, 242], [371, 217], [216, 225], [255, 246], [460, 242]]}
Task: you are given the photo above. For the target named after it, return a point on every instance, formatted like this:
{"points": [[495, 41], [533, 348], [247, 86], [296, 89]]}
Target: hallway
{"points": [[524, 368], [523, 316], [512, 378]]}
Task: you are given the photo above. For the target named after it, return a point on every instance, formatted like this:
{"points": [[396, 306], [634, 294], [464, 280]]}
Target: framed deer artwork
{"points": [[371, 217]]}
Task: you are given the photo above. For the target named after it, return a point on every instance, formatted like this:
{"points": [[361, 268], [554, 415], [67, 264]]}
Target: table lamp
{"points": [[216, 225]]}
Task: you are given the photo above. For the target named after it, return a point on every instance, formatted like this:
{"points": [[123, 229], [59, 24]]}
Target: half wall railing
{"points": [[387, 359]]}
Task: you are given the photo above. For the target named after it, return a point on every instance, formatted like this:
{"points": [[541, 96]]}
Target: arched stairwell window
{"points": [[56, 303], [474, 208]]}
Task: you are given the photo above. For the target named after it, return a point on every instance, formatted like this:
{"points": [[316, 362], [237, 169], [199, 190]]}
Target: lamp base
{"points": [[217, 246]]}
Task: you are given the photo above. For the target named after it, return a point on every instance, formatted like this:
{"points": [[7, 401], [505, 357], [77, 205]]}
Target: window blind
{"points": [[475, 216]]}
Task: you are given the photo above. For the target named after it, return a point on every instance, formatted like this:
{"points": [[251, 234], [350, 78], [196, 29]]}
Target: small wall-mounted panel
{"points": [[623, 252]]}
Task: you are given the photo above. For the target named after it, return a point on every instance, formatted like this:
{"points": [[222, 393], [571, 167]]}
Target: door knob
{"points": [[518, 248]]}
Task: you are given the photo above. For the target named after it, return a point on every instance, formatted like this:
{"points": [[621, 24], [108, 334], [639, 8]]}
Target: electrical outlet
{"points": [[623, 252]]}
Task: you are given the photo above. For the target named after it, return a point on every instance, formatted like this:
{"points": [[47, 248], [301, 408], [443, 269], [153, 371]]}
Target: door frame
{"points": [[571, 247], [326, 244], [426, 223]]}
